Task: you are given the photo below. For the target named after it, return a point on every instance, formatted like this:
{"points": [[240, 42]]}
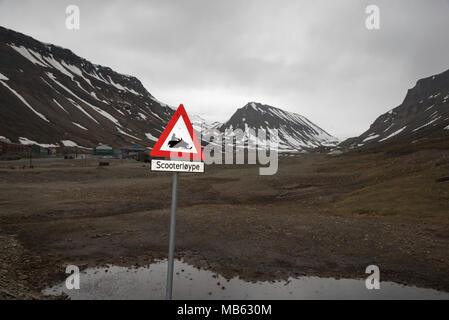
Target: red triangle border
{"points": [[157, 152]]}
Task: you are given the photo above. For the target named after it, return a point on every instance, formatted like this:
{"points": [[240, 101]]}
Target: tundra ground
{"points": [[324, 215]]}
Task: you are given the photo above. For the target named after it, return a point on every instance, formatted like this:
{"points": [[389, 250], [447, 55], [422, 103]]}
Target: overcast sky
{"points": [[315, 58]]}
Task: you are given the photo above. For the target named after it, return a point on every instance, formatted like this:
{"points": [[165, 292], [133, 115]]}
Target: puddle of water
{"points": [[191, 283]]}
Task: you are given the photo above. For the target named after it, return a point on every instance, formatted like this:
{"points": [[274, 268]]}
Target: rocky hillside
{"points": [[51, 96], [295, 131], [424, 114]]}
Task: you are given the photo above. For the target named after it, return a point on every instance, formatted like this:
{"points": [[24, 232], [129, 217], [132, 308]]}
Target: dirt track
{"points": [[319, 215]]}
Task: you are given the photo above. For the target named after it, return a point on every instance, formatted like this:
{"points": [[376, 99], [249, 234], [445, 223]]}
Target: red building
{"points": [[15, 148]]}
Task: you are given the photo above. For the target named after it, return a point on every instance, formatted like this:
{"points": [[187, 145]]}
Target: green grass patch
{"points": [[370, 212], [388, 213], [365, 211]]}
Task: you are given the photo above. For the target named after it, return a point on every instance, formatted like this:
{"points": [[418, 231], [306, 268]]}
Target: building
{"points": [[37, 149], [8, 147], [130, 151], [103, 150]]}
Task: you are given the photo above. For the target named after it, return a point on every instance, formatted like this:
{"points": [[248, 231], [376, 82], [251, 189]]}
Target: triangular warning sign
{"points": [[178, 139]]}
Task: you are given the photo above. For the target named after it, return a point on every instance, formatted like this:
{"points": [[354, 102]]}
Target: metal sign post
{"points": [[178, 141], [171, 247]]}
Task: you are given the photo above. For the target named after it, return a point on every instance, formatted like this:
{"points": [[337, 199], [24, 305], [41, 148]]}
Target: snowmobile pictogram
{"points": [[178, 143]]}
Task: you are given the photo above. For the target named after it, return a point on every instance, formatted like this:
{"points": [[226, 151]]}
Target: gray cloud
{"points": [[311, 57]]}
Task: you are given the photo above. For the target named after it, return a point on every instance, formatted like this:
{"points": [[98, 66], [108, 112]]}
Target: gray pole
{"points": [[171, 248]]}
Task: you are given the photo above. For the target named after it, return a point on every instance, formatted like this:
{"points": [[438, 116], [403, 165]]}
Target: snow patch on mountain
{"points": [[143, 116], [100, 111], [428, 123], [76, 105], [26, 141], [371, 137], [40, 115], [27, 55], [77, 71], [127, 134], [73, 144], [58, 66], [120, 87], [393, 134], [79, 126], [60, 106], [151, 137]]}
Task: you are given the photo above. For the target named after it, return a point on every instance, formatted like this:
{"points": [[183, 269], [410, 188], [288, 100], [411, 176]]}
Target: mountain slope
{"points": [[423, 114], [50, 95], [295, 131]]}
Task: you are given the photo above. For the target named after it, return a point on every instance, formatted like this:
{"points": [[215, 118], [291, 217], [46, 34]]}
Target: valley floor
{"points": [[319, 215]]}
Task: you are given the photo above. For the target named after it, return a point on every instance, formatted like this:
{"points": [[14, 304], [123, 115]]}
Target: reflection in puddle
{"points": [[191, 283]]}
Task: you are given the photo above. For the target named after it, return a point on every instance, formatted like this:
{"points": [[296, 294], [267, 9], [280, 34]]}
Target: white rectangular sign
{"points": [[177, 166]]}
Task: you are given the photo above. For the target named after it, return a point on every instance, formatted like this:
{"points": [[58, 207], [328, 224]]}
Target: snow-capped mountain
{"points": [[295, 132], [423, 114], [53, 97], [198, 123]]}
